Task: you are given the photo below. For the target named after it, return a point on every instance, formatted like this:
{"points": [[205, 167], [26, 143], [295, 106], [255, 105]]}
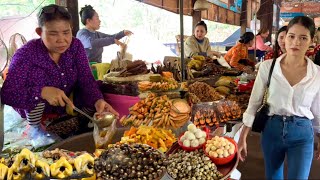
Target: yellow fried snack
{"points": [[84, 164], [3, 171], [94, 177], [15, 174], [61, 169], [25, 160], [41, 170]]}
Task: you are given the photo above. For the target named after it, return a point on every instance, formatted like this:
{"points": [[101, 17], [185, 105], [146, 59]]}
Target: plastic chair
{"points": [[178, 47]]}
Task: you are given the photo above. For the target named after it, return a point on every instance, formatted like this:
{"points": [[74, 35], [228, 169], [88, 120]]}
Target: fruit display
{"points": [[134, 68], [58, 164], [204, 92], [157, 138], [211, 114], [136, 161], [192, 165], [158, 112], [194, 137], [196, 62], [219, 147]]}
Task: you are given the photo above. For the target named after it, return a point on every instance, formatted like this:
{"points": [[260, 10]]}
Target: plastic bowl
{"points": [[226, 160], [188, 149]]}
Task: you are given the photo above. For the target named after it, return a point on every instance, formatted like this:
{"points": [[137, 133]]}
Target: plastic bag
{"points": [[103, 136]]}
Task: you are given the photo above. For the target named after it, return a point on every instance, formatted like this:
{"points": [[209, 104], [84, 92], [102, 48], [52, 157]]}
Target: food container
{"points": [[188, 149], [225, 160]]}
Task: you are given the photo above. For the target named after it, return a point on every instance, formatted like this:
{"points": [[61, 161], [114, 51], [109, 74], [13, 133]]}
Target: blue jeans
{"points": [[289, 136]]}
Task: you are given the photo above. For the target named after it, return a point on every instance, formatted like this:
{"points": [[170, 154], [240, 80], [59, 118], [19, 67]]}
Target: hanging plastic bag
{"points": [[103, 131]]}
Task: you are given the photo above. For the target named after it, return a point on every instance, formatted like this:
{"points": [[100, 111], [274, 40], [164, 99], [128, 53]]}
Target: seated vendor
{"points": [[198, 44], [237, 56], [260, 38], [45, 71]]}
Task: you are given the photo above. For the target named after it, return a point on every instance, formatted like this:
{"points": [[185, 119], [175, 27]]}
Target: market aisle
{"points": [[253, 167]]}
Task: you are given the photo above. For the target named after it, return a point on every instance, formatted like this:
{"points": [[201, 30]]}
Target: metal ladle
{"points": [[83, 113]]}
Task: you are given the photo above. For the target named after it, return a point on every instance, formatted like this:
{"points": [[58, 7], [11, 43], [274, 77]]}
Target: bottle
{"points": [[153, 69]]}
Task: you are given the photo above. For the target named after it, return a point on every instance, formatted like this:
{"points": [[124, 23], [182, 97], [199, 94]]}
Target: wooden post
{"points": [[243, 16], [72, 6], [196, 16], [183, 63], [265, 15]]}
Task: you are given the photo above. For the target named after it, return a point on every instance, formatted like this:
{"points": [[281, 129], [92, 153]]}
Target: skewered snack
{"points": [[130, 162], [158, 112], [214, 113]]}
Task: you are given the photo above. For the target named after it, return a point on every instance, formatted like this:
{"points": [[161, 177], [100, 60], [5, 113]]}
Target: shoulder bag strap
{"points": [[266, 92], [270, 72]]}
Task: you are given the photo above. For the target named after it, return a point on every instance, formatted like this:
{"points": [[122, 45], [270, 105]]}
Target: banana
{"points": [[3, 171], [198, 57], [25, 160], [41, 170], [14, 173], [61, 169], [84, 164]]}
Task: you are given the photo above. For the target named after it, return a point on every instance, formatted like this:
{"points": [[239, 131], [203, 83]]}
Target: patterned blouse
{"points": [[31, 69]]}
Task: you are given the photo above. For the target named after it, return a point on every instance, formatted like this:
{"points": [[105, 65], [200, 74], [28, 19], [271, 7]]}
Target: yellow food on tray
{"points": [[157, 138]]}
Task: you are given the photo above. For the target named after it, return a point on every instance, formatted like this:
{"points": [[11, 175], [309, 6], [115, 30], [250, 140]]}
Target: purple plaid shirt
{"points": [[31, 69]]}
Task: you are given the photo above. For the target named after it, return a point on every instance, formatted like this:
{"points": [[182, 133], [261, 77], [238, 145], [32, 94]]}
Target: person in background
{"points": [[237, 56], [260, 38], [294, 106], [279, 47], [317, 37], [198, 44], [93, 40], [45, 71]]}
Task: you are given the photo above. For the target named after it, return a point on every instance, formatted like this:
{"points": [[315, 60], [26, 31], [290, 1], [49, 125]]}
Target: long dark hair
{"points": [[53, 12], [86, 12], [246, 37], [306, 22], [276, 48]]}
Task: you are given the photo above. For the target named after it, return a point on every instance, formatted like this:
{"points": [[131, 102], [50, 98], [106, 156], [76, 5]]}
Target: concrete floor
{"points": [[253, 167]]}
